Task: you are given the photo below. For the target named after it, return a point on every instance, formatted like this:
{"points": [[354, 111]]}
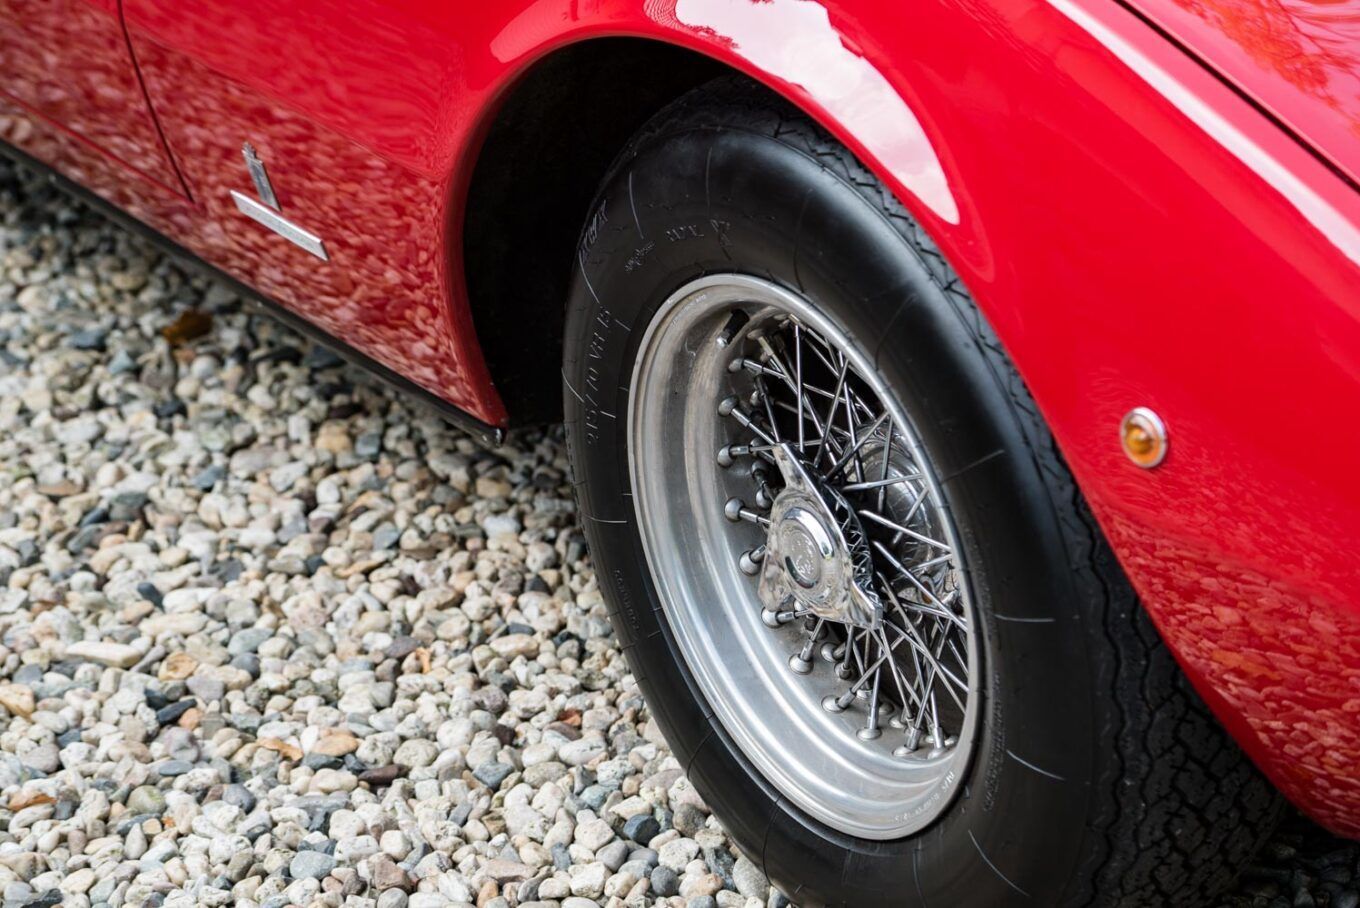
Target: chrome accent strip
{"points": [[285, 228], [1334, 225]]}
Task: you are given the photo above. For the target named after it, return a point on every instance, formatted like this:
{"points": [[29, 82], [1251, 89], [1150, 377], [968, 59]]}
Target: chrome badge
{"points": [[265, 211]]}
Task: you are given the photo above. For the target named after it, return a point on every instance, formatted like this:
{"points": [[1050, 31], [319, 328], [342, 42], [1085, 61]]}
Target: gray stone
{"points": [[171, 768], [207, 689], [146, 799], [248, 640], [127, 505], [750, 880], [205, 479], [688, 820], [392, 898], [416, 753], [665, 882], [239, 796], [642, 828], [310, 865], [492, 774], [45, 758], [613, 855]]}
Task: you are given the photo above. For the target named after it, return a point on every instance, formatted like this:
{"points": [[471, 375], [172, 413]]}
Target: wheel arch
{"points": [[525, 205], [523, 209]]}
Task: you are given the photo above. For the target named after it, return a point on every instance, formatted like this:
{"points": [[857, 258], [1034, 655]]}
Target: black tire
{"points": [[1099, 777]]}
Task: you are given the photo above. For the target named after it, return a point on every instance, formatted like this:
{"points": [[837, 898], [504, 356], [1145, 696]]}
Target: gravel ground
{"points": [[268, 636]]}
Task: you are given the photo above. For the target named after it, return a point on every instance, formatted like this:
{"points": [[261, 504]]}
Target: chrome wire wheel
{"points": [[804, 555]]}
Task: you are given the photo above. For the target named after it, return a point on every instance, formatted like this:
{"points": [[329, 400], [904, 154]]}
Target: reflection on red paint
{"points": [[68, 61], [795, 41], [1299, 58], [386, 289], [1282, 664], [1308, 43]]}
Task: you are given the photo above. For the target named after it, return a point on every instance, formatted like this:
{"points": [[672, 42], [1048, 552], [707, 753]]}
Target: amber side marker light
{"points": [[1143, 435]]}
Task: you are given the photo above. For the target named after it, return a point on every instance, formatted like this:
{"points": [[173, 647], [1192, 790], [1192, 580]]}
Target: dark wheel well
{"points": [[544, 157]]}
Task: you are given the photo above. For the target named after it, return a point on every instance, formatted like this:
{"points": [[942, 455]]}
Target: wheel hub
{"points": [[817, 559]]}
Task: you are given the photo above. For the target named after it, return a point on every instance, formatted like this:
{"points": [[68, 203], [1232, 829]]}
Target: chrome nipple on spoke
{"points": [[750, 561], [771, 618], [764, 498], [736, 509], [911, 745], [801, 661], [731, 406], [839, 704]]}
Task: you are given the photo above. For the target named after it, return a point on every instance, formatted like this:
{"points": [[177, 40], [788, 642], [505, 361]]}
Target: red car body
{"points": [[1154, 203]]}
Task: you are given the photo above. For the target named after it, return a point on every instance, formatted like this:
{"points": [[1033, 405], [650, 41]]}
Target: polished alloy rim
{"points": [[803, 555]]}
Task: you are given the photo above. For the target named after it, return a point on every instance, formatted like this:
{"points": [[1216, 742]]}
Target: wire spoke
{"points": [[884, 483], [803, 406], [855, 446], [921, 587], [798, 379], [905, 531], [831, 411]]}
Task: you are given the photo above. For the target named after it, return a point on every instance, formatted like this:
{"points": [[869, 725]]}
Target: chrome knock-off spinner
{"points": [[817, 558]]}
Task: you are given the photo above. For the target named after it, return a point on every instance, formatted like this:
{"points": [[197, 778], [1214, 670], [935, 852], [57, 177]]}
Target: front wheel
{"points": [[850, 571]]}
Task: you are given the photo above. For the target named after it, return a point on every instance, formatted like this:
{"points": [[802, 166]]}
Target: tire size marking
{"points": [[685, 232], [601, 326], [941, 791], [639, 257], [592, 232], [682, 232], [593, 415], [721, 228], [627, 610]]}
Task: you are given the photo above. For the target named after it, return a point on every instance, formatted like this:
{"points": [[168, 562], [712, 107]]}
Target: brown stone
{"points": [[21, 799], [289, 751], [336, 744], [334, 437], [177, 667], [191, 324], [18, 699], [387, 875], [381, 775]]}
